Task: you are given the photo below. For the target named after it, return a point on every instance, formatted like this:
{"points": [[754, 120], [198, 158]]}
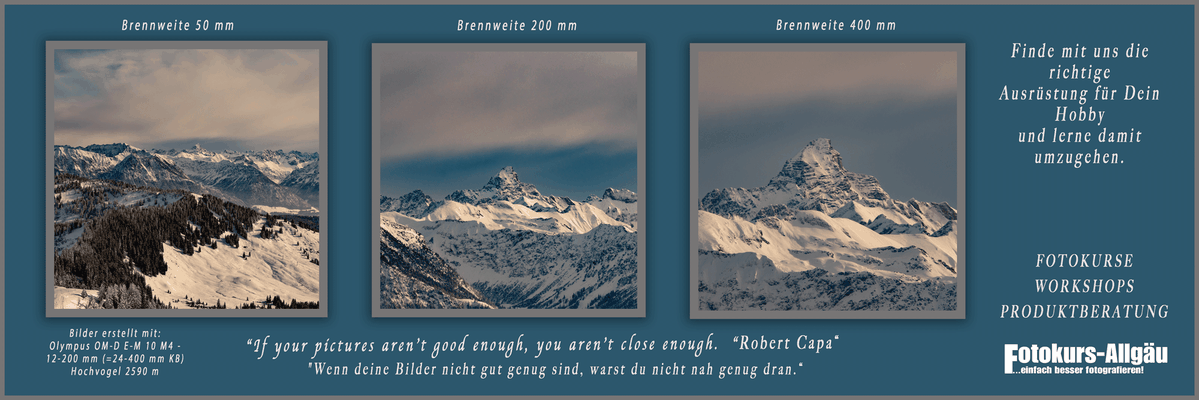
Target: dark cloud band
{"points": [[453, 103]]}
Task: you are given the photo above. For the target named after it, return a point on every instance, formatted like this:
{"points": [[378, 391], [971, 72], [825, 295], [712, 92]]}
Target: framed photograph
{"points": [[828, 180], [510, 180], [184, 179]]}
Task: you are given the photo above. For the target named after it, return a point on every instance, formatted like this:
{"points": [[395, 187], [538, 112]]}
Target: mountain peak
{"points": [[507, 174], [625, 195], [197, 149], [817, 172], [506, 178], [505, 185], [821, 144], [816, 159]]}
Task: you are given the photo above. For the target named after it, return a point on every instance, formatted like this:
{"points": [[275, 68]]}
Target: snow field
{"points": [[275, 266]]}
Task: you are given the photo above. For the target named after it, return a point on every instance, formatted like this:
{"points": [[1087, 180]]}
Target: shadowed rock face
{"points": [[414, 276]]}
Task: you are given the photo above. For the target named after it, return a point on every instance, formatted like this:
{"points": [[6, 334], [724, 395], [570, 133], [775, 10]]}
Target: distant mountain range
{"points": [[270, 178], [507, 245], [819, 237]]}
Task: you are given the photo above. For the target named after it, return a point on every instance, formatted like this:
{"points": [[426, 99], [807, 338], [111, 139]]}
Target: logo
{"points": [[1117, 358]]}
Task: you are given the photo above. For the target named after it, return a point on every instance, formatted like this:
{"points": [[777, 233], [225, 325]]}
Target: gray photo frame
{"points": [[376, 301], [320, 46], [694, 195]]}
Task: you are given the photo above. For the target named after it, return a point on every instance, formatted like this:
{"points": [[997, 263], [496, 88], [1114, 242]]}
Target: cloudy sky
{"points": [[566, 121], [221, 99], [892, 115]]}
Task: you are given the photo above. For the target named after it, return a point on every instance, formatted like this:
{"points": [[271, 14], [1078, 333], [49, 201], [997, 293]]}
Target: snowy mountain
{"points": [[91, 160], [819, 237], [506, 186], [417, 277], [275, 164], [416, 204], [620, 204], [122, 162], [128, 246], [513, 245], [269, 178], [305, 181]]}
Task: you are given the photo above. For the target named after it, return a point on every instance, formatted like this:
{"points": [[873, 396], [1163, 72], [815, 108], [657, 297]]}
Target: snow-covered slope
{"points": [[270, 178], [310, 211], [520, 248], [818, 237], [72, 299], [178, 247], [284, 265], [280, 266]]}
